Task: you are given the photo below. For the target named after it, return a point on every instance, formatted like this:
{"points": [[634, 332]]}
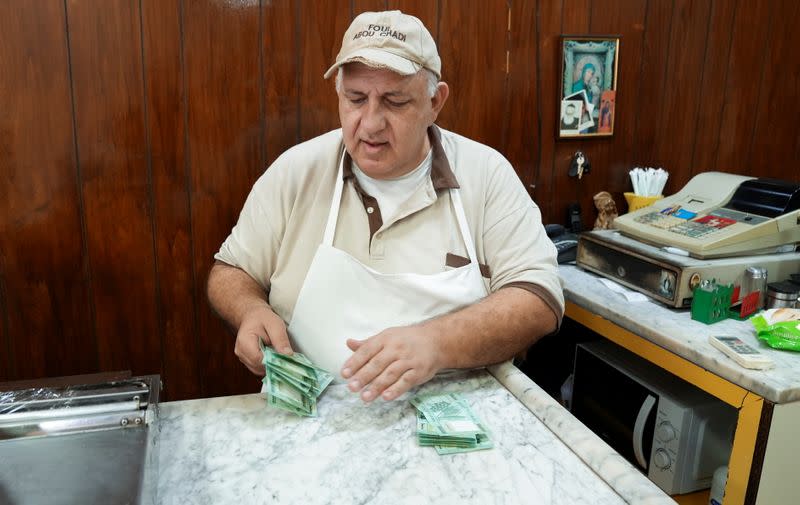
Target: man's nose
{"points": [[373, 120]]}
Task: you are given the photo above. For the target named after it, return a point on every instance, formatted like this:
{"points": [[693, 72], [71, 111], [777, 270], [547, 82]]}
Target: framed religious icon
{"points": [[588, 88]]}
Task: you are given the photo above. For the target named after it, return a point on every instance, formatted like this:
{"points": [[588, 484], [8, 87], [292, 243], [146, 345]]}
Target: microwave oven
{"points": [[676, 433]]}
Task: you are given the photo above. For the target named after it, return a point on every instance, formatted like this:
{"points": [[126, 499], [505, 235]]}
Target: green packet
{"points": [[778, 328]]}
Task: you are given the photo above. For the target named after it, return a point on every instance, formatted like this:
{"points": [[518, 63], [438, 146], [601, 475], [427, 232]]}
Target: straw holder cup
{"points": [[636, 202]]}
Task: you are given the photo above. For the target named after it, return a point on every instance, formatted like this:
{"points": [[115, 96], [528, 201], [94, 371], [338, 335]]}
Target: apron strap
{"points": [[333, 215], [455, 197]]}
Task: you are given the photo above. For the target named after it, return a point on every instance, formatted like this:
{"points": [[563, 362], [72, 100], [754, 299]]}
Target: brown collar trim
{"points": [[442, 175], [347, 169]]}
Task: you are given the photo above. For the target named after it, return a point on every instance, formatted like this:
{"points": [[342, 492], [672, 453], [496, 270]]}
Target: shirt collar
{"points": [[442, 175]]}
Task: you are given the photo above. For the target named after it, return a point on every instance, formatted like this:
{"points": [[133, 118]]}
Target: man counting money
{"points": [[391, 248]]}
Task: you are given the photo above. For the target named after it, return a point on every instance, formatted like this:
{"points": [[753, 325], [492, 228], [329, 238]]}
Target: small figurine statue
{"points": [[606, 210]]}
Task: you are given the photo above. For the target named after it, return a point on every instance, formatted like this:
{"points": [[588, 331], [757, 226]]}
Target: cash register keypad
{"points": [[677, 225], [660, 220], [692, 229]]}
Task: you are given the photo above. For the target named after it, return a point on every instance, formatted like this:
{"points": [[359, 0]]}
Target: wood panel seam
{"points": [[151, 203], [87, 266], [761, 85], [187, 165]]}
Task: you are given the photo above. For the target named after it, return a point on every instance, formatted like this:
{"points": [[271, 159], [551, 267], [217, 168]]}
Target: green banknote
{"points": [[290, 364], [274, 401], [446, 422], [430, 434], [286, 392], [293, 383], [482, 443], [449, 412]]}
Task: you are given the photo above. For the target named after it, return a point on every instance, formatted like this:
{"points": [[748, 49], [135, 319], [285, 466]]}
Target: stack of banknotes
{"points": [[293, 383], [446, 422]]}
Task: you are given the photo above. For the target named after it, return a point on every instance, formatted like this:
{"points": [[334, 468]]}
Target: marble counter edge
{"points": [[624, 479]]}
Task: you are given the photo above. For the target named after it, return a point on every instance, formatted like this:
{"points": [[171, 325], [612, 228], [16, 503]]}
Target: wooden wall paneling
{"points": [[520, 141], [548, 70], [787, 168], [106, 50], [7, 361], [652, 81], [709, 115], [681, 96], [776, 134], [741, 83], [222, 47], [575, 21], [166, 124], [322, 26], [359, 6], [610, 157], [46, 311], [281, 72], [426, 10], [7, 358], [473, 52]]}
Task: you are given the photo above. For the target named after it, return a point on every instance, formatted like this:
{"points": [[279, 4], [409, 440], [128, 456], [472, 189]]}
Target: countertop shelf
{"points": [[675, 331]]}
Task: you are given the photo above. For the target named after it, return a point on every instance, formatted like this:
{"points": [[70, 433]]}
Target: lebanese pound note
{"points": [[283, 390], [449, 413]]}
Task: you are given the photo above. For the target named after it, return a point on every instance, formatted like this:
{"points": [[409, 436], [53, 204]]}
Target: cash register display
{"points": [[719, 214]]}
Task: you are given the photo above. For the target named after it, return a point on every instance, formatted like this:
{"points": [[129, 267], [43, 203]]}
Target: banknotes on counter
{"points": [[293, 383], [446, 422]]}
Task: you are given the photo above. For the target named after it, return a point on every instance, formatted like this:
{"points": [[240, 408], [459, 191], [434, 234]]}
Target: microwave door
{"points": [[639, 431], [615, 406]]}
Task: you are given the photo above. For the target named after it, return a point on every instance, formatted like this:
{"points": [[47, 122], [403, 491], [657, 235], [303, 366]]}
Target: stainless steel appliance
{"points": [[80, 442], [668, 277], [674, 432]]}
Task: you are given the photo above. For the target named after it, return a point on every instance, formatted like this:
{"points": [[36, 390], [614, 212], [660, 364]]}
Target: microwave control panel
{"points": [[666, 443]]}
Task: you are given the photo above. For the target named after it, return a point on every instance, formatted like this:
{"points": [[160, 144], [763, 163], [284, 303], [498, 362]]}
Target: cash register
{"points": [[712, 229]]}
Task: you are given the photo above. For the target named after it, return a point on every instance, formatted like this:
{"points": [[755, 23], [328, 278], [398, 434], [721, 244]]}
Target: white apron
{"points": [[341, 298]]}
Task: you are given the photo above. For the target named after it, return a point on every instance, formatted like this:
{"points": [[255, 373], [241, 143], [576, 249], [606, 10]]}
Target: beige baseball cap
{"points": [[389, 39]]}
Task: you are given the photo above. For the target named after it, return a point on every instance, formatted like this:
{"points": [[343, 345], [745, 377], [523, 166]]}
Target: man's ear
{"points": [[439, 98]]}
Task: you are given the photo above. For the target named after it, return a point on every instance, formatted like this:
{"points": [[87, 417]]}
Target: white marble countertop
{"points": [[674, 330], [237, 450]]}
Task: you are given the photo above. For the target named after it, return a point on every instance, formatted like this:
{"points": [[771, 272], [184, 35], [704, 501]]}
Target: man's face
{"points": [[385, 117], [570, 110]]}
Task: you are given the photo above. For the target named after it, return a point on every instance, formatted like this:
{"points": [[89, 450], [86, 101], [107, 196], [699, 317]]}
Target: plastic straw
{"points": [[648, 181]]}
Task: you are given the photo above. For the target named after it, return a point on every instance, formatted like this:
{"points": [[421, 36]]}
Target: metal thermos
{"points": [[755, 279], [783, 294]]}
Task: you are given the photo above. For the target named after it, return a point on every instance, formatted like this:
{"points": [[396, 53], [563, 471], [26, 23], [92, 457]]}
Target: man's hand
{"points": [[260, 323], [392, 362], [243, 304]]}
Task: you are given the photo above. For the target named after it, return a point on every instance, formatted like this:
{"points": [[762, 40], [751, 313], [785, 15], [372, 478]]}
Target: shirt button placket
{"points": [[376, 247]]}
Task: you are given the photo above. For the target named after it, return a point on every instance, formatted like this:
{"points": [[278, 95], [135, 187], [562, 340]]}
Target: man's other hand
{"points": [[260, 323], [392, 362]]}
